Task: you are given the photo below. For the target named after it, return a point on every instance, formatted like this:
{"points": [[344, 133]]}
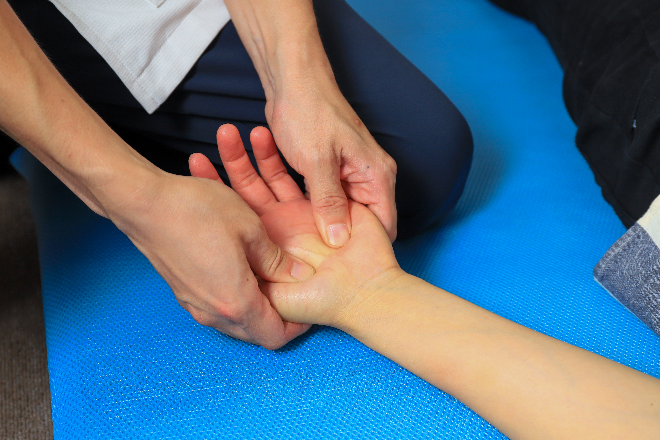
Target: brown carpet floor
{"points": [[25, 411]]}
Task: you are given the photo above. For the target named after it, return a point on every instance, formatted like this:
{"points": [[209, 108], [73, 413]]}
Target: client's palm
{"points": [[287, 216]]}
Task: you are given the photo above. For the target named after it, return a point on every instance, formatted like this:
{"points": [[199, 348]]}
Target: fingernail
{"points": [[338, 234], [301, 272]]}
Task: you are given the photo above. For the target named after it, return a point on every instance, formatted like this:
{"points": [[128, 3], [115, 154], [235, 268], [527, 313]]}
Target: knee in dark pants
{"points": [[431, 180]]}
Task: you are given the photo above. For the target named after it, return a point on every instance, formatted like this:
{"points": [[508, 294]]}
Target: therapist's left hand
{"points": [[322, 138], [314, 126]]}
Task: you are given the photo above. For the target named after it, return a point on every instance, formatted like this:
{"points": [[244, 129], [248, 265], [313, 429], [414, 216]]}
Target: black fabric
{"points": [[7, 145], [609, 52]]}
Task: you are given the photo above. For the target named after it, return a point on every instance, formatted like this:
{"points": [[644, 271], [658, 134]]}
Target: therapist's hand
{"points": [[343, 276], [315, 128], [208, 245], [322, 138], [199, 235]]}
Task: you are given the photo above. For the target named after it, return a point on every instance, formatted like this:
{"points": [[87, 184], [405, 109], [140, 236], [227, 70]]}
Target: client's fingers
{"points": [[242, 175], [271, 168], [201, 166]]}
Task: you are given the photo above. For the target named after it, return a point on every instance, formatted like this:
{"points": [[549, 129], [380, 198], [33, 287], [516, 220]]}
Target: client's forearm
{"points": [[526, 384]]}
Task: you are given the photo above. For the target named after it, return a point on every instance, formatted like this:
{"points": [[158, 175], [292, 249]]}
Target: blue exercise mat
{"points": [[126, 361]]}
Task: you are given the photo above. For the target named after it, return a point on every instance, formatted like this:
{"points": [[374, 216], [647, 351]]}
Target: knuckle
{"points": [[202, 318], [206, 321], [274, 261], [278, 175], [323, 157], [244, 180], [254, 231], [272, 345], [390, 164], [331, 204], [229, 311]]}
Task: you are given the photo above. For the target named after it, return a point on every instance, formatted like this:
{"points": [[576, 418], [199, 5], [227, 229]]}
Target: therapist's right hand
{"points": [[208, 245], [198, 234]]}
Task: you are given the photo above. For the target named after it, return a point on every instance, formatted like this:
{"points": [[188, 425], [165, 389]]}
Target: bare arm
{"points": [[526, 384], [44, 114], [203, 239]]}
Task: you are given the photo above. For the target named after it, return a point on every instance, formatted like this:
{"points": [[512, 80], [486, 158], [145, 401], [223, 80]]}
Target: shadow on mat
{"points": [[415, 255]]}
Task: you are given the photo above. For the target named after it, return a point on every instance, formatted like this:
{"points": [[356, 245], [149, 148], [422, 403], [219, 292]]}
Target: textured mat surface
{"points": [[126, 361]]}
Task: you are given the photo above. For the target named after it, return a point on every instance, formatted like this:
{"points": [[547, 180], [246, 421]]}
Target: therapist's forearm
{"points": [[283, 41], [45, 115], [528, 385]]}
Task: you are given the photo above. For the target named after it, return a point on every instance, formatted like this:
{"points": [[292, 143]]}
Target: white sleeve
{"points": [[150, 44]]}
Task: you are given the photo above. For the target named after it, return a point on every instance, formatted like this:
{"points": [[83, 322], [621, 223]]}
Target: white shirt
{"points": [[150, 44]]}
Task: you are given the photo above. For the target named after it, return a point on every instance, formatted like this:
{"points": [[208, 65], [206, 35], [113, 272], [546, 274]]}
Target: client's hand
{"points": [[526, 384], [343, 276]]}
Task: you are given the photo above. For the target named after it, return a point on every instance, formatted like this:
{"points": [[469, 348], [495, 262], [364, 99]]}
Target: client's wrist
{"points": [[372, 301]]}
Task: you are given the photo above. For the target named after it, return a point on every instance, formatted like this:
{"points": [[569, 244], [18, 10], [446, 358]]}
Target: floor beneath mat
{"points": [[25, 411]]}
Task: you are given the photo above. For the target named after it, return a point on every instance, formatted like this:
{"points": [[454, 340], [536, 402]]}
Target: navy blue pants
{"points": [[406, 113]]}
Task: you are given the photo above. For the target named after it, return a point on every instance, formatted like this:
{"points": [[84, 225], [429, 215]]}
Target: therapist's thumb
{"points": [[330, 206]]}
